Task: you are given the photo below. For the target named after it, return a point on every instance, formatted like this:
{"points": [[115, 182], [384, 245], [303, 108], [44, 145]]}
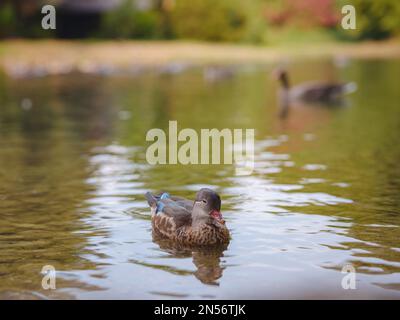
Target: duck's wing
{"points": [[187, 204], [154, 199], [317, 91], [179, 214], [175, 212]]}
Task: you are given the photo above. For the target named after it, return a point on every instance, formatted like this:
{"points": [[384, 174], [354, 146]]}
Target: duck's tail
{"points": [[151, 200]]}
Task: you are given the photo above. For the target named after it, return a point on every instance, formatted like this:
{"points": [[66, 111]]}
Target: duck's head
{"points": [[281, 75], [207, 204]]}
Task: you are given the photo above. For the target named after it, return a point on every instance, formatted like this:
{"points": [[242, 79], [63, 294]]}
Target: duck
{"points": [[310, 92], [186, 222]]}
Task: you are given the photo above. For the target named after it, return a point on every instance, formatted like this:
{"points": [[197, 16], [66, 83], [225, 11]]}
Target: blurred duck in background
{"points": [[313, 92]]}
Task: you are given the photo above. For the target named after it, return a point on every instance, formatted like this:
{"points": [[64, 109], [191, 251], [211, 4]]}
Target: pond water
{"points": [[324, 192]]}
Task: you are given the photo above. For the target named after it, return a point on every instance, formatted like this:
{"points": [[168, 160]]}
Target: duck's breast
{"points": [[203, 235]]}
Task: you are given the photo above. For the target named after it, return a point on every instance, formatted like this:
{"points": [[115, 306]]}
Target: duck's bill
{"points": [[217, 215]]}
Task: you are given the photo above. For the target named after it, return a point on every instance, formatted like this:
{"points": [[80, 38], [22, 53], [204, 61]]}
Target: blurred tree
{"points": [[22, 18], [375, 19], [8, 20], [127, 21], [164, 8], [301, 13], [210, 20], [213, 20]]}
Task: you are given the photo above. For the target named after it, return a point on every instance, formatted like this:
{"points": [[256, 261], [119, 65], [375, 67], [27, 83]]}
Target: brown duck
{"points": [[310, 92], [193, 223]]}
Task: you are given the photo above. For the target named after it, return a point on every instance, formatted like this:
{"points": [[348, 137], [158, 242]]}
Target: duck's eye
{"points": [[205, 201]]}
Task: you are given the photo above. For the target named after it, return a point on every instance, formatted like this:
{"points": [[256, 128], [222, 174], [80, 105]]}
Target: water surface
{"points": [[324, 192]]}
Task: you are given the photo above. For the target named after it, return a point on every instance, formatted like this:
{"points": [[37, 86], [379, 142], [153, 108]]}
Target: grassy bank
{"points": [[54, 56]]}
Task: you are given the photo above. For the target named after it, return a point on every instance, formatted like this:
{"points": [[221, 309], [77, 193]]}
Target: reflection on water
{"points": [[206, 260], [324, 191]]}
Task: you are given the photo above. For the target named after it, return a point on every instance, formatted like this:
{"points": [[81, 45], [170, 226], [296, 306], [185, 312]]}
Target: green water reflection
{"points": [[324, 192]]}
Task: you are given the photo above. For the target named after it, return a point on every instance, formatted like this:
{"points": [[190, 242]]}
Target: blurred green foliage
{"points": [[376, 19], [13, 24], [223, 20], [8, 20], [128, 22], [257, 21]]}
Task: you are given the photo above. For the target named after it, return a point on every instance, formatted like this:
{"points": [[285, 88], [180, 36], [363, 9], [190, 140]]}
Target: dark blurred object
{"points": [[80, 19], [88, 5], [75, 19]]}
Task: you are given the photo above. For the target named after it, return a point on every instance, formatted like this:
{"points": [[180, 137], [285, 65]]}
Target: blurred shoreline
{"points": [[36, 58]]}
